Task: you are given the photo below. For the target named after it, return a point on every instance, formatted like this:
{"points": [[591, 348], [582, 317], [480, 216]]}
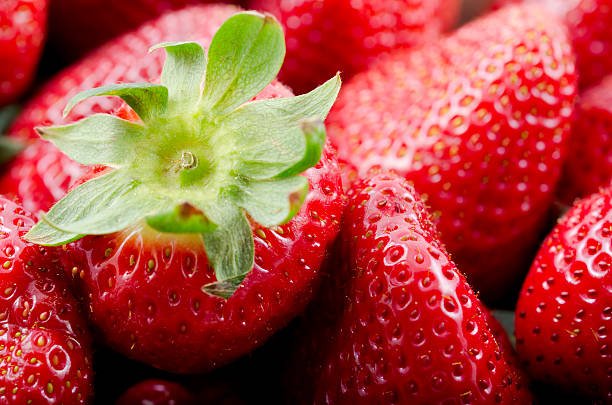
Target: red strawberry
{"points": [[409, 329], [22, 37], [478, 123], [324, 37], [564, 313], [589, 23], [206, 187], [156, 392], [44, 349], [40, 181], [79, 26], [40, 176], [589, 165]]}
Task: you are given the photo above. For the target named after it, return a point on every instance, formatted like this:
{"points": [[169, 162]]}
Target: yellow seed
{"points": [[30, 379], [50, 388], [6, 264]]}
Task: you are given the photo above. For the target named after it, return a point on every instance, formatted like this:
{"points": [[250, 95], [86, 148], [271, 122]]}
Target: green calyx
{"points": [[203, 157]]}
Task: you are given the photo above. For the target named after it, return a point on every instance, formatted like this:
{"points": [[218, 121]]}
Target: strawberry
{"points": [[478, 122], [37, 182], [589, 23], [156, 392], [408, 327], [204, 236], [79, 26], [324, 37], [589, 165], [40, 176], [564, 313], [22, 37], [44, 347]]}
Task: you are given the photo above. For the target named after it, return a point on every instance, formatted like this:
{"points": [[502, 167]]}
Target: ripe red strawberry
{"points": [[324, 37], [564, 313], [156, 392], [166, 270], [79, 26], [589, 23], [409, 329], [44, 348], [479, 124], [42, 174], [589, 163], [23, 25]]}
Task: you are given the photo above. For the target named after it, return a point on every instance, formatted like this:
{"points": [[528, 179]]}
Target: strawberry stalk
{"points": [[203, 159]]}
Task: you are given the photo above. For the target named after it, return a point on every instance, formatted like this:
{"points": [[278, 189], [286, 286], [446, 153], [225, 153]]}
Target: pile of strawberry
{"points": [[312, 202]]}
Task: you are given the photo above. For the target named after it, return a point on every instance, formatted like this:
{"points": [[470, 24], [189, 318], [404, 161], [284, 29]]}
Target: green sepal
{"points": [[226, 288], [146, 99], [245, 55], [183, 218], [230, 248], [270, 132], [314, 133], [99, 139], [274, 202], [103, 205], [182, 73]]}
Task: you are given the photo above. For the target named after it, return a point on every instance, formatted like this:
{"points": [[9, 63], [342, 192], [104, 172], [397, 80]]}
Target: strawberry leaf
{"points": [[183, 73], [244, 56], [230, 248], [106, 204], [270, 146], [98, 139], [146, 99]]}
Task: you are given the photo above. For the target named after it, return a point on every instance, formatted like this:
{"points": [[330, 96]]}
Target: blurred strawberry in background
{"points": [[22, 35], [324, 37], [589, 23]]}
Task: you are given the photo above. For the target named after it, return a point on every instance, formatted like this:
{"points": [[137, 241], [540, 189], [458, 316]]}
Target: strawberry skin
{"points": [[564, 313], [40, 176], [38, 182], [144, 288], [589, 23], [44, 346], [355, 34], [23, 25], [481, 132], [589, 165], [408, 327]]}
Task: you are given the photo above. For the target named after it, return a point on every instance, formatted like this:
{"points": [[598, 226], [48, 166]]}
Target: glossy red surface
{"points": [[405, 326], [44, 346], [564, 313], [479, 123]]}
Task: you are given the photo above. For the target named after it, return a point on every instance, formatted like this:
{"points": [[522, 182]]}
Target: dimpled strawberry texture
{"points": [[22, 35], [324, 37], [144, 288], [408, 328], [479, 124], [564, 314], [44, 346], [589, 163], [589, 23]]}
